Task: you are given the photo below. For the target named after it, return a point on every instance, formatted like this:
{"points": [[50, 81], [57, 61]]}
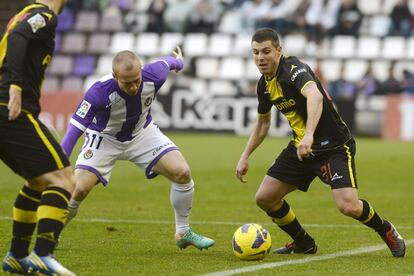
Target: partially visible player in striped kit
{"points": [[26, 145], [115, 115]]}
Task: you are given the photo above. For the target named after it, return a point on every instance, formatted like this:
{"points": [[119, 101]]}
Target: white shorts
{"points": [[100, 152]]}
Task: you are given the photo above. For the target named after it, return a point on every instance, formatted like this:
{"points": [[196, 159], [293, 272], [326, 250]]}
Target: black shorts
{"points": [[334, 167], [28, 147]]}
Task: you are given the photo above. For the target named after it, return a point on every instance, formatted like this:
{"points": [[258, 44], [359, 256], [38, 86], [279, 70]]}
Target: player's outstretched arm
{"points": [[69, 140]]}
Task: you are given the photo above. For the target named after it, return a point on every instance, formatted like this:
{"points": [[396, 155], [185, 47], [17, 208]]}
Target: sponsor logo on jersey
{"points": [[285, 104], [148, 101], [292, 67], [88, 154], [302, 70], [83, 109], [36, 22]]}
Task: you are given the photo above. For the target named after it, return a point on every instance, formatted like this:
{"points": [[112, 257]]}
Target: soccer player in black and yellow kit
{"points": [[322, 146], [27, 146]]}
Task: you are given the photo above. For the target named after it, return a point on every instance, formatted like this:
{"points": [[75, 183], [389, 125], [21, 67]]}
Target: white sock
{"points": [[73, 208], [181, 198]]}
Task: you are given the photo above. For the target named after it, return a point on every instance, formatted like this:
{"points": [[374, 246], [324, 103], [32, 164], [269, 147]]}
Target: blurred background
{"points": [[362, 51]]}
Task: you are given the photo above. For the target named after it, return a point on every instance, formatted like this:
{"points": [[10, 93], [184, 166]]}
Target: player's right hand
{"points": [[178, 53], [305, 147], [15, 102], [242, 168]]}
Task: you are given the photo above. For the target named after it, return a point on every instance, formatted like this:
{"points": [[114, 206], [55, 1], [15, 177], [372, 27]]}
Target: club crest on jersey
{"points": [[148, 101], [36, 22], [88, 154], [83, 109]]}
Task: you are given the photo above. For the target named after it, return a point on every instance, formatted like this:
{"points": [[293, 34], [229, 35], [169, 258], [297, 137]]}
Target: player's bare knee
{"points": [[263, 201], [350, 210], [182, 175], [61, 178], [66, 180], [37, 184]]}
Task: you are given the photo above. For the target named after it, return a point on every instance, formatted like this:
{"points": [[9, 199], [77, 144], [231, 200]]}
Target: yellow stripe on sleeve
{"points": [[15, 86], [306, 84], [263, 115]]}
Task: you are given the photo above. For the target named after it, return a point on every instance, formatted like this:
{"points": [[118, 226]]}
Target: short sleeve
{"points": [[87, 109], [300, 75], [156, 72], [264, 102], [37, 26]]}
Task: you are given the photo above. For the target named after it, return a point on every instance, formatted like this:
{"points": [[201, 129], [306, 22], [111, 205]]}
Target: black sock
{"points": [[286, 220], [371, 218], [24, 221], [52, 215]]}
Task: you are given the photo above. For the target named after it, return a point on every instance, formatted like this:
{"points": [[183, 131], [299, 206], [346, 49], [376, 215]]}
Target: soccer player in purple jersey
{"points": [[115, 115]]}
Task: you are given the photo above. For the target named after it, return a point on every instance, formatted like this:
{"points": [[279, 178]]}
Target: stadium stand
{"points": [[86, 32], [147, 44], [86, 21], [169, 41], [98, 43], [121, 41], [90, 32]]}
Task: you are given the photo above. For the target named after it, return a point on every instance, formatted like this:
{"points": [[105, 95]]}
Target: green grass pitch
{"points": [[127, 228]]}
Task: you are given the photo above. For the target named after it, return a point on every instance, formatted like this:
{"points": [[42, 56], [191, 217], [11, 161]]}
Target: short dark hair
{"points": [[265, 34]]}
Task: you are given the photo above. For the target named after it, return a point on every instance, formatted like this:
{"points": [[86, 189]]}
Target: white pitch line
{"points": [[356, 251], [131, 221]]}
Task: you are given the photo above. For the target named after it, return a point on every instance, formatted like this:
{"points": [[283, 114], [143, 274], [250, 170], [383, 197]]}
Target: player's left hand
{"points": [[15, 103], [305, 147]]}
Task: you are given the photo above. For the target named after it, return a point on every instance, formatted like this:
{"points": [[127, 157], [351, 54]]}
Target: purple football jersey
{"points": [[109, 110]]}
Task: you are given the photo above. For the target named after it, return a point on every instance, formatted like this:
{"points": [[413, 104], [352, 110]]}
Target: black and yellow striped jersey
{"points": [[25, 51], [284, 92]]}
